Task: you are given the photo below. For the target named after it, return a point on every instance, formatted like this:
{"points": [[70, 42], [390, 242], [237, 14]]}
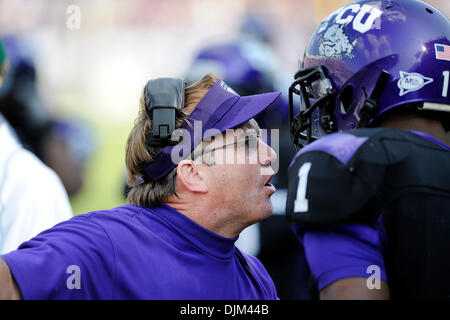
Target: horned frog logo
{"points": [[336, 43]]}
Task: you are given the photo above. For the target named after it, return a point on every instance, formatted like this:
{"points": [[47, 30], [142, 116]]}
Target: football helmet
{"points": [[366, 58]]}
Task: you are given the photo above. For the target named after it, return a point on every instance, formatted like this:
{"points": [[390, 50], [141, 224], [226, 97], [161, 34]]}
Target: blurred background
{"points": [[83, 64]]}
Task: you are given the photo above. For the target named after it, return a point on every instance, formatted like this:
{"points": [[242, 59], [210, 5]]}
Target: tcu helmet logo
{"points": [[354, 13], [335, 41]]}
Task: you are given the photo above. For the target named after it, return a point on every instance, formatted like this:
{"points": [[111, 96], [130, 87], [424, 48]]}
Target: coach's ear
{"points": [[190, 177]]}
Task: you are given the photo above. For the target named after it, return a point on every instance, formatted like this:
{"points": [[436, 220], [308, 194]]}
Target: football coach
{"points": [[175, 239]]}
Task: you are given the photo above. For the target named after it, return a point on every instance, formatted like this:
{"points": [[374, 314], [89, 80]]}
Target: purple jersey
{"points": [[340, 221], [136, 253], [344, 251]]}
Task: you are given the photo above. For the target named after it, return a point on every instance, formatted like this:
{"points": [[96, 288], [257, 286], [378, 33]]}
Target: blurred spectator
{"points": [[249, 65], [62, 145], [66, 149], [32, 197], [257, 26]]}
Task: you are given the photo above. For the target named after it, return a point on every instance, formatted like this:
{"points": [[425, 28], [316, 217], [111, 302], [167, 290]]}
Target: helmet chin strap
{"points": [[370, 105]]}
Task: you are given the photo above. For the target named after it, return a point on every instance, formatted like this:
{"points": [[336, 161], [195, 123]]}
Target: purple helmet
{"points": [[366, 58]]}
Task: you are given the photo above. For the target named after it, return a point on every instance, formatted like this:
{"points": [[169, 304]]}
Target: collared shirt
{"points": [[32, 197], [136, 253]]}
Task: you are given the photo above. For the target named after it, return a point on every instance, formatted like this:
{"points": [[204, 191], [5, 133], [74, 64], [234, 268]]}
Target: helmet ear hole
{"points": [[346, 99]]}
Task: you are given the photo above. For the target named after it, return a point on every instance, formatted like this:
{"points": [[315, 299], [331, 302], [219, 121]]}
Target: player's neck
{"points": [[430, 127]]}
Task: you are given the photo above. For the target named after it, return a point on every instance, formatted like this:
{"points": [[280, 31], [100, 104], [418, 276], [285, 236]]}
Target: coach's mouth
{"points": [[270, 188]]}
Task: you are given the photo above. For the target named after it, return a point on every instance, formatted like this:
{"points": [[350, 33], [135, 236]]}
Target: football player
{"points": [[370, 198]]}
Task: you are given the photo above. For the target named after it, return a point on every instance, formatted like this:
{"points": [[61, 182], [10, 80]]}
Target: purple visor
{"points": [[220, 109]]}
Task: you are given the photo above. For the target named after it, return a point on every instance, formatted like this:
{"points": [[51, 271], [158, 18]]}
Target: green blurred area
{"points": [[105, 171]]}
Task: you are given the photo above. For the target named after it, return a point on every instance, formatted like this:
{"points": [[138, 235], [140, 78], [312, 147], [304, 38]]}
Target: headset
{"points": [[164, 98]]}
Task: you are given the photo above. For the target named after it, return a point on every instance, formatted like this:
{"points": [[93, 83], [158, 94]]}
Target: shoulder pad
{"points": [[337, 179], [340, 145]]}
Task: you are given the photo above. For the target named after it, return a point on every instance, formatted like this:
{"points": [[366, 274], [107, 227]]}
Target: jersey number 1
{"points": [[446, 75], [301, 203]]}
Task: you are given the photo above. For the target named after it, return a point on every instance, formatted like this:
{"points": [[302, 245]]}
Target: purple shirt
{"points": [[136, 253]]}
